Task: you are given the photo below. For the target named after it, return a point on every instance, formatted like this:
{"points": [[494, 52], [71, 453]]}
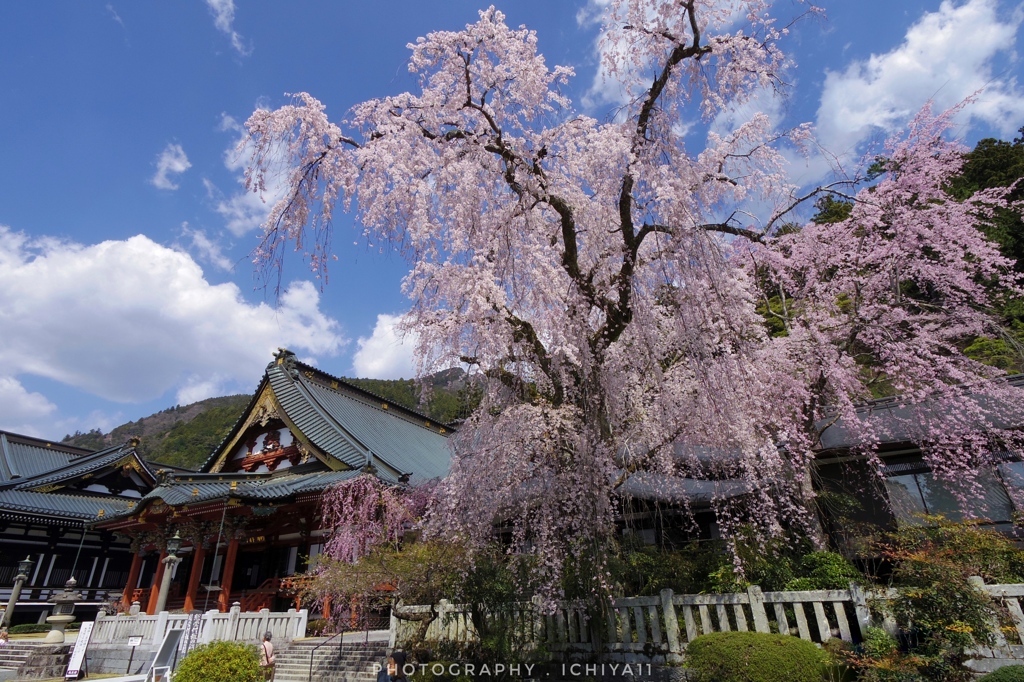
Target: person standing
{"points": [[267, 657], [395, 670]]}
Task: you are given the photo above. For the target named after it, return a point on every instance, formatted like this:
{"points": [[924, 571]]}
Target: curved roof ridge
{"points": [[363, 392], [82, 465]]}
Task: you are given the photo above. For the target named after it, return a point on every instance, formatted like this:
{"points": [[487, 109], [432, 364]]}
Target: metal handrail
{"points": [[363, 620], [312, 653]]}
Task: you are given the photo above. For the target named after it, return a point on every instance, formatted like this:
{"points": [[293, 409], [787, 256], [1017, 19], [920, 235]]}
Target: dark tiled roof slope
{"points": [[25, 456]]}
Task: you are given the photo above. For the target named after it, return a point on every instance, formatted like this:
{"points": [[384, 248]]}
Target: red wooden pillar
{"points": [[198, 555], [154, 591], [133, 580], [224, 599]]}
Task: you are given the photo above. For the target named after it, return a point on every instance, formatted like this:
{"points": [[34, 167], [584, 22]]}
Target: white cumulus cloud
{"points": [[131, 320], [385, 354], [171, 161], [223, 18], [22, 411], [946, 56]]}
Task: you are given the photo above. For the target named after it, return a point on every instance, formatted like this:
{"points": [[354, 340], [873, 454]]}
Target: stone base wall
{"points": [[45, 662], [114, 658]]}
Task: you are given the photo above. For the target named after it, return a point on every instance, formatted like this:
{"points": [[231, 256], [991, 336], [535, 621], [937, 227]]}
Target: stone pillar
{"points": [[154, 592], [198, 556], [165, 583], [133, 580], [224, 598]]}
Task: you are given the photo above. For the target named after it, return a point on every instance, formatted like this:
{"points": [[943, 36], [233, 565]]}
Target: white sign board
{"points": [[78, 653], [134, 641]]}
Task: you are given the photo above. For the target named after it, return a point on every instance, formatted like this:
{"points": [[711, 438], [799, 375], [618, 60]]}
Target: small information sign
{"points": [[133, 641]]}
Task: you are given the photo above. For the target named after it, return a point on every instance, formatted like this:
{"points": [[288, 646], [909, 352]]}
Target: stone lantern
{"points": [[63, 612], [24, 568]]}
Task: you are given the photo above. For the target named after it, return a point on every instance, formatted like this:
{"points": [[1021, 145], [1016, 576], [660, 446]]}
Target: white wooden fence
{"points": [[658, 628], [233, 625]]}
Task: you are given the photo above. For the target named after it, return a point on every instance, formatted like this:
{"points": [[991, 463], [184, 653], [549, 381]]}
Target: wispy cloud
{"points": [[245, 211], [207, 249], [171, 161], [223, 17], [116, 17]]}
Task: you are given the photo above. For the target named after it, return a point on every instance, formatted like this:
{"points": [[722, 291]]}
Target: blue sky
{"points": [[125, 281]]}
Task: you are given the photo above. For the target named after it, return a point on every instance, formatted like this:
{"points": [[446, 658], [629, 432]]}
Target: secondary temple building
{"points": [[50, 494]]}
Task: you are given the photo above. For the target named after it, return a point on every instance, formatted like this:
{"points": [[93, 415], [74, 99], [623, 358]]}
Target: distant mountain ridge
{"points": [[185, 435]]}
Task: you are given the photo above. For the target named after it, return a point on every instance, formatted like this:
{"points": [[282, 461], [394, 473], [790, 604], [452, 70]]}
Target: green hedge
{"points": [[29, 628], [1011, 673], [753, 657], [220, 661]]}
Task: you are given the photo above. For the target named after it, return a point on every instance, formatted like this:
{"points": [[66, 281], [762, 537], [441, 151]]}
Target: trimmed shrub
{"points": [[1010, 673], [221, 661], [824, 571], [29, 628], [317, 627], [754, 657]]}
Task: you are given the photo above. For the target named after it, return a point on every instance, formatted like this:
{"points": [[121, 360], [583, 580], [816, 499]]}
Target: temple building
{"points": [[50, 493], [251, 515]]}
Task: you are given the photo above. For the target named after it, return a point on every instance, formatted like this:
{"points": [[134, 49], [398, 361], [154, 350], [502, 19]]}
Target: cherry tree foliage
{"points": [[884, 300], [363, 513], [604, 280]]}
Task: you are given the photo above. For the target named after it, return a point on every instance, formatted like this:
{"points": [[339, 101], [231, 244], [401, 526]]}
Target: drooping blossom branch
{"points": [[364, 512]]}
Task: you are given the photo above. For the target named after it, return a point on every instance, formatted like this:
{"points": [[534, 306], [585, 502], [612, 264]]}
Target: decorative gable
{"points": [[265, 441]]}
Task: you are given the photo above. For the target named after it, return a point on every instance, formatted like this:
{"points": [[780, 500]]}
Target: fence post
{"points": [[206, 632], [234, 614], [860, 607], [538, 619], [671, 621], [756, 597], [978, 583], [264, 624], [161, 628], [443, 620]]}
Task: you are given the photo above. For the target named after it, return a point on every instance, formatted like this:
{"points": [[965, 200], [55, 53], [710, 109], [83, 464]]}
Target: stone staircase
{"points": [[13, 655], [351, 662], [21, 660]]}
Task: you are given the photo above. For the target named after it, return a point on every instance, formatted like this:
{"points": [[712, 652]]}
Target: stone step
{"points": [[324, 676], [353, 662]]}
